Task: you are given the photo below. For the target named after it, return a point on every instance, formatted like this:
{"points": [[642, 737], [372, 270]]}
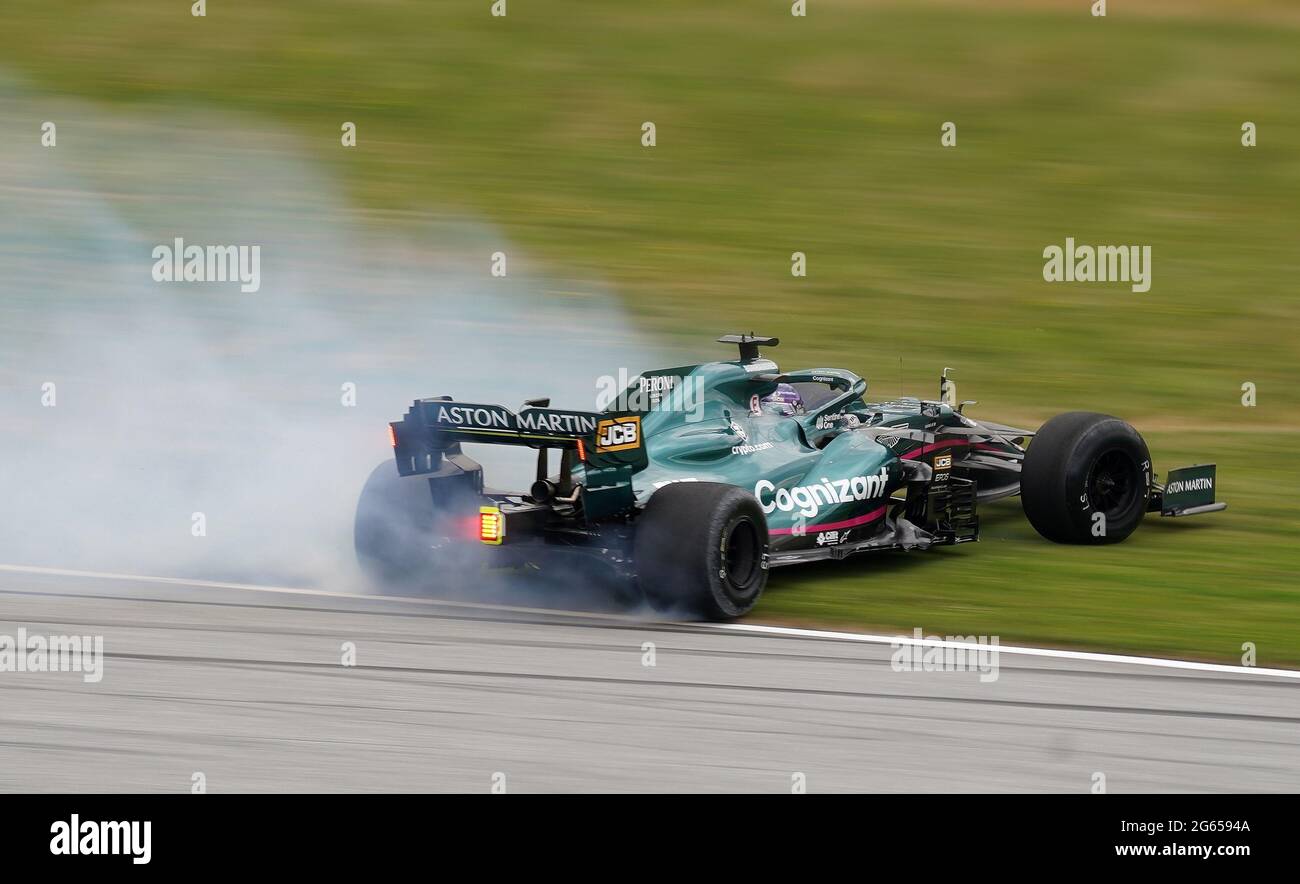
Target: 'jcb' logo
{"points": [[618, 434], [943, 462]]}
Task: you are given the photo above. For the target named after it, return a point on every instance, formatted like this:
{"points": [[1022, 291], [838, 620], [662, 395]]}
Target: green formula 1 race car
{"points": [[696, 480]]}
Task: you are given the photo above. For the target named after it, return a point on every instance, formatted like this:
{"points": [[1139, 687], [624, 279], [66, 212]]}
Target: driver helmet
{"points": [[784, 400]]}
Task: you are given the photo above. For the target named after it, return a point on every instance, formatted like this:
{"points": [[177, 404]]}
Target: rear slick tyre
{"points": [[702, 546], [411, 534]]}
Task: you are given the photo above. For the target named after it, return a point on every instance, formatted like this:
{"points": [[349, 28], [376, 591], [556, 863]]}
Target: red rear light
{"points": [[582, 451], [491, 525], [392, 435]]}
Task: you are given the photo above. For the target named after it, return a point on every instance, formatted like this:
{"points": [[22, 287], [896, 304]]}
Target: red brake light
{"points": [[491, 525]]}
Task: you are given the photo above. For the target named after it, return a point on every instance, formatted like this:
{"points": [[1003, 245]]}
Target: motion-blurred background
{"points": [[774, 134]]}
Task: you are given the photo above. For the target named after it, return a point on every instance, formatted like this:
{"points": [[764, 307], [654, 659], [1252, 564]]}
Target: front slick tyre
{"points": [[1086, 479], [702, 546]]}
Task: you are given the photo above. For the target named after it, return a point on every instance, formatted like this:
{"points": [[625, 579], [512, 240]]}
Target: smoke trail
{"points": [[172, 399]]}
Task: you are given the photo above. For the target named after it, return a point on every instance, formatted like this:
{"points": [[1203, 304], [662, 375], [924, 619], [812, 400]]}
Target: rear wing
{"points": [[610, 445]]}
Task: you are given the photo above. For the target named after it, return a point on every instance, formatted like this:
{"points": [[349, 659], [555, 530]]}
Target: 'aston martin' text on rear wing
{"points": [[433, 427]]}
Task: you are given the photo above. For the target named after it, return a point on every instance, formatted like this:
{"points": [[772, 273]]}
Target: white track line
{"points": [[899, 640], [783, 631]]}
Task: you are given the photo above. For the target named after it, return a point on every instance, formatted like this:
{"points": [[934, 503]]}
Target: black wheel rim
{"points": [[740, 557], [1114, 483]]}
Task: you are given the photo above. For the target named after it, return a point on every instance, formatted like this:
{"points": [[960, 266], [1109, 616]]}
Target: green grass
{"points": [[821, 135]]}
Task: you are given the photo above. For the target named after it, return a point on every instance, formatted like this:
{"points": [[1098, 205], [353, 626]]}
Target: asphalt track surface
{"points": [[246, 686]]}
